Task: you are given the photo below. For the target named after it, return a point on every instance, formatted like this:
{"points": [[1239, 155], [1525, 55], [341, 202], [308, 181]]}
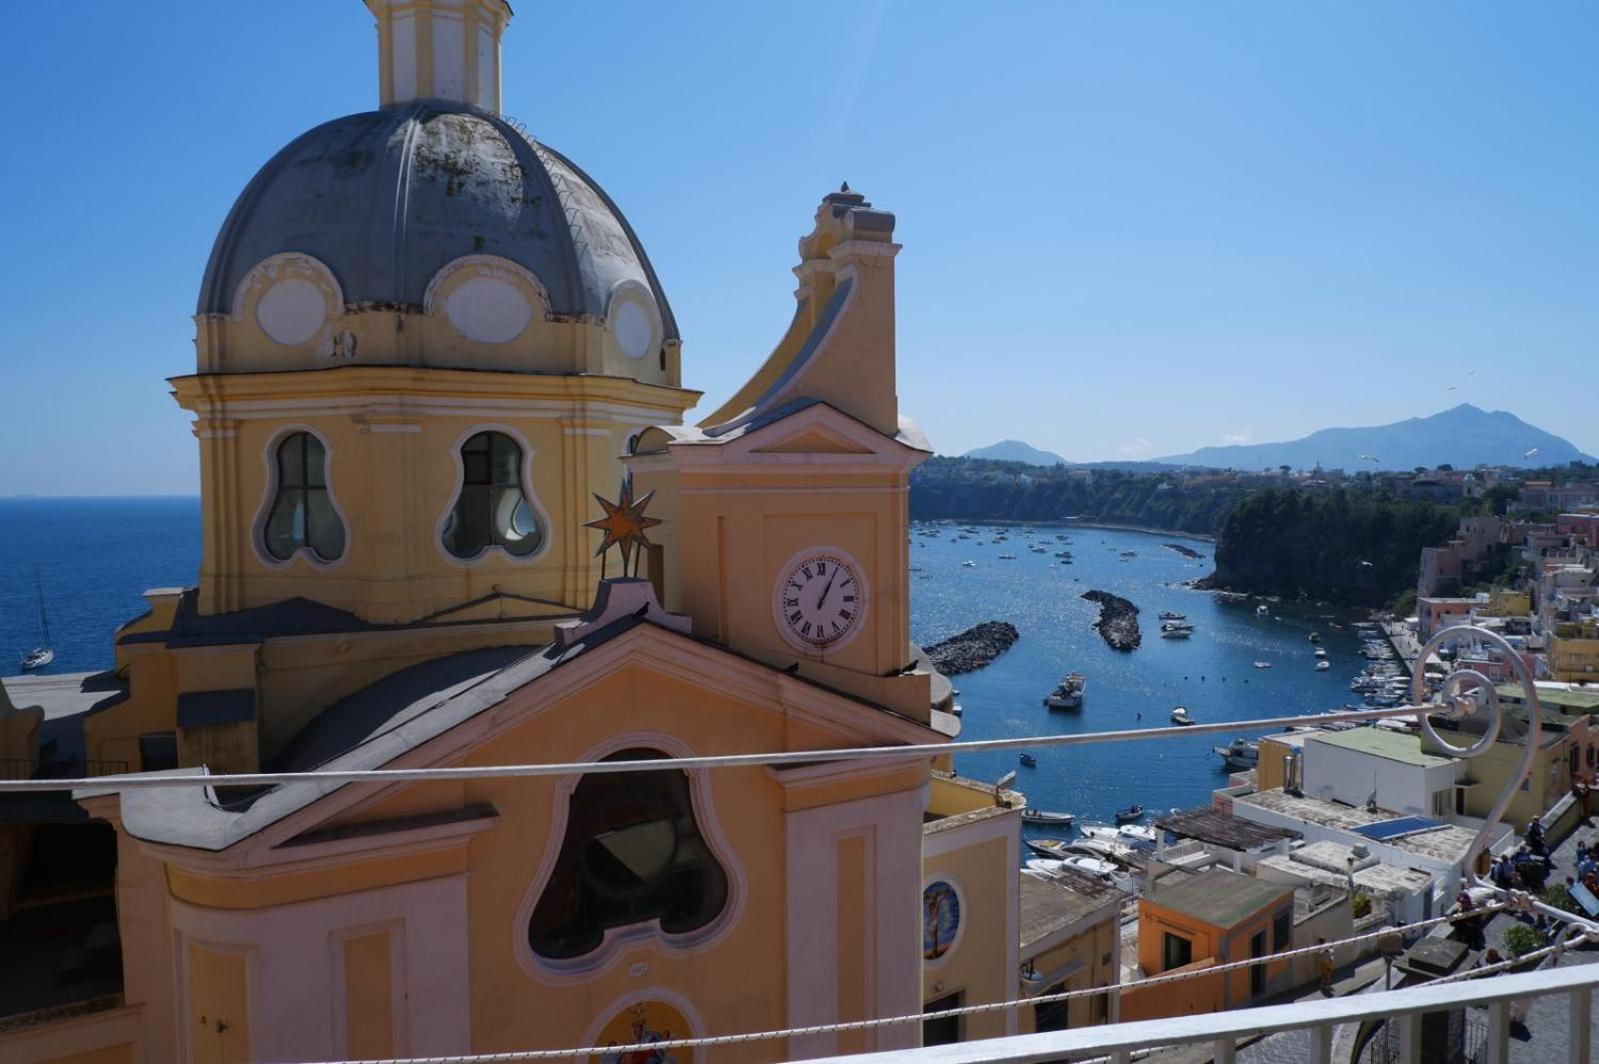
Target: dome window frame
{"points": [[459, 271], [524, 468], [271, 497], [632, 293], [289, 266]]}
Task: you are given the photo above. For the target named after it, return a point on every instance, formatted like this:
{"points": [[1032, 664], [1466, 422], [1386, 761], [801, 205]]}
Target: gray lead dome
{"points": [[386, 198]]}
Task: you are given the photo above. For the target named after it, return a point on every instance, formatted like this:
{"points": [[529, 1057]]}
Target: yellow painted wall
{"points": [[1207, 941], [978, 962], [1092, 947], [1574, 660], [393, 442], [218, 1006], [1269, 769], [368, 997]]}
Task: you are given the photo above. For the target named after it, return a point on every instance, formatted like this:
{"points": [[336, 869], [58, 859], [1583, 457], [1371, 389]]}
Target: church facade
{"points": [[425, 343]]}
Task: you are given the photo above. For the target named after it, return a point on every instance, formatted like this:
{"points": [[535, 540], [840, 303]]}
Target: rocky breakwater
{"points": [[1118, 620], [973, 648], [1186, 552]]}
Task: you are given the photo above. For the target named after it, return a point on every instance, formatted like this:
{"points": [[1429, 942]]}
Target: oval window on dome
{"points": [[635, 332], [292, 311], [489, 310]]}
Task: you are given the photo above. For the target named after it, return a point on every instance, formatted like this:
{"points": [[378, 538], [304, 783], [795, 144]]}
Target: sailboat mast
{"points": [[44, 623]]}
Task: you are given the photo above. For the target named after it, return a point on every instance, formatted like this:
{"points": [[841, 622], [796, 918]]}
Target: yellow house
{"points": [[1203, 919], [1071, 941], [425, 343], [1573, 655]]}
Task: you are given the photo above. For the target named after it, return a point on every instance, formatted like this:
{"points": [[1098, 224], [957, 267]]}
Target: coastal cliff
{"points": [[969, 489], [1342, 547], [1117, 623]]}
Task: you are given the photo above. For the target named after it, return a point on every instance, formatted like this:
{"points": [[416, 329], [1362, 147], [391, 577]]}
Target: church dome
{"points": [[387, 199]]}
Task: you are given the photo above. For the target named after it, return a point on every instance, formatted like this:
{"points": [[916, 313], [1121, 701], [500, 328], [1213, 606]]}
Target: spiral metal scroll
{"points": [[1466, 693]]}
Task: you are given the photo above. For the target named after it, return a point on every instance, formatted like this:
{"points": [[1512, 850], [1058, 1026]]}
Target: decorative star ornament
{"points": [[624, 524]]}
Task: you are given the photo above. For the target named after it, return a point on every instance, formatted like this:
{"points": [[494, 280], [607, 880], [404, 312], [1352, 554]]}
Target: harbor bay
{"points": [[1212, 673]]}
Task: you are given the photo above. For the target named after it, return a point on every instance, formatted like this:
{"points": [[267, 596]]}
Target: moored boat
{"points": [[1045, 816], [1068, 694], [1130, 814], [1029, 760], [1240, 754], [1179, 715]]}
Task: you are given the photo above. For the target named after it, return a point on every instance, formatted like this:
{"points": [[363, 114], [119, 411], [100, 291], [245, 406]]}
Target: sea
{"points": [[94, 558]]}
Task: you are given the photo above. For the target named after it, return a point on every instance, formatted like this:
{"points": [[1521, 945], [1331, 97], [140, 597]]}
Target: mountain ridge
{"points": [[1016, 451], [1464, 436]]}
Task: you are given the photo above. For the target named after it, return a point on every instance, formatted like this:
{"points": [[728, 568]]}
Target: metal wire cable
{"points": [[965, 1010], [905, 752]]}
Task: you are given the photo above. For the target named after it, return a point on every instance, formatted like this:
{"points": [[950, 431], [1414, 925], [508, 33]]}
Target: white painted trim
{"points": [[269, 455], [494, 550], [683, 1005], [811, 650], [618, 940], [420, 405], [291, 982], [483, 266], [633, 291], [338, 999]]}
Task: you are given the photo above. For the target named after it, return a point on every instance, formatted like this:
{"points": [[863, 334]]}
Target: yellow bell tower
{"points": [[787, 510]]}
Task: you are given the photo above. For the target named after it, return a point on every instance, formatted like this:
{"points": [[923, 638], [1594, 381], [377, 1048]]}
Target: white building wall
{"points": [[1353, 777]]}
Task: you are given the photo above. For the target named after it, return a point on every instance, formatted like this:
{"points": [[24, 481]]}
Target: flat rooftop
{"points": [[1219, 896], [1379, 880], [1448, 843], [1381, 742], [1222, 829], [1049, 907]]}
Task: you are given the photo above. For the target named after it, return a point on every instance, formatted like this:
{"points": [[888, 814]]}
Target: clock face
{"points": [[820, 600]]}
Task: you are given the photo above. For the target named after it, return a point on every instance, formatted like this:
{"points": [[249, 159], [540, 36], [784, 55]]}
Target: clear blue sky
{"points": [[1129, 230]]}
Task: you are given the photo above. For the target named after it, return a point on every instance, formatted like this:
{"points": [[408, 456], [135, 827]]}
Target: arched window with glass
{"points": [[302, 516], [493, 508]]}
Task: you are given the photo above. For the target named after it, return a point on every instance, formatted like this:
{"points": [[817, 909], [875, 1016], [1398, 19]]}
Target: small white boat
{"points": [[1179, 715], [1240, 754], [1262, 610], [1323, 665], [1044, 816], [1133, 835], [968, 565], [1262, 664], [1169, 616], [44, 653], [1320, 652], [1176, 630]]}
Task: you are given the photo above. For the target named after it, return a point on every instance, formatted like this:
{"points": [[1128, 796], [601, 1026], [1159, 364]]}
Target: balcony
{"points": [[1309, 1029]]}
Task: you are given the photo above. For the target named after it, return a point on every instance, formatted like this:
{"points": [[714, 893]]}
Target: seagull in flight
{"points": [[1365, 458], [1529, 454]]}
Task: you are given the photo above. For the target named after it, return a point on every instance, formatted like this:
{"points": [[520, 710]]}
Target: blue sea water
{"points": [[95, 557], [1212, 673]]}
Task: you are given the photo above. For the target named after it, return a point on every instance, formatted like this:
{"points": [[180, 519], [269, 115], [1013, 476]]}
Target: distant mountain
{"points": [[1463, 436], [1017, 451]]}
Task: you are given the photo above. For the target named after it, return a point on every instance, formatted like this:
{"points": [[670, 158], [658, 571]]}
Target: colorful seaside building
{"points": [[425, 343]]}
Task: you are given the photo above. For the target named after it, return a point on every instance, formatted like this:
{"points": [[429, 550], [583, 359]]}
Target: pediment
{"points": [[814, 441], [821, 430]]}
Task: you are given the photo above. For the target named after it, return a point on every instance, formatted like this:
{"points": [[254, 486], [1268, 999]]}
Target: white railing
{"points": [[1222, 1031]]}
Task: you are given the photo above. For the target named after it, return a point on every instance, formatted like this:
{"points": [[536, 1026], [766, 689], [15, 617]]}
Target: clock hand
{"points": [[822, 598]]}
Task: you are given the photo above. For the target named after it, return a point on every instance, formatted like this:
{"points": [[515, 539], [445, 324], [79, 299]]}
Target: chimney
{"points": [[440, 49]]}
